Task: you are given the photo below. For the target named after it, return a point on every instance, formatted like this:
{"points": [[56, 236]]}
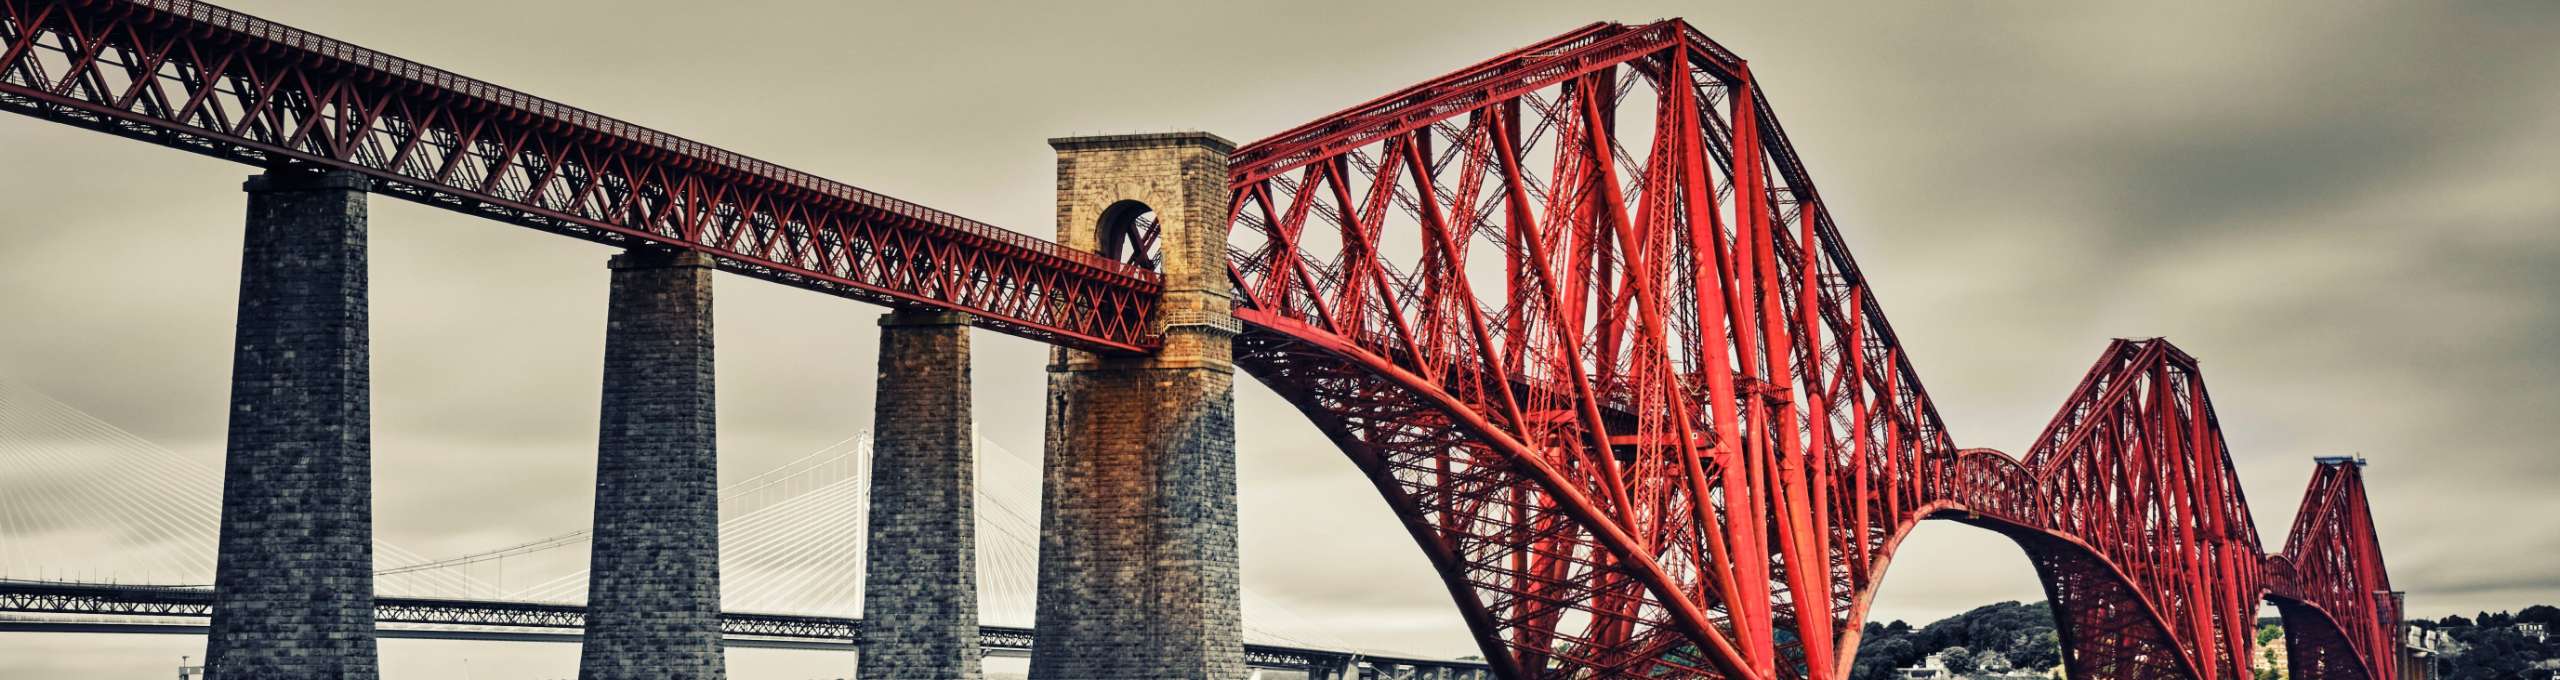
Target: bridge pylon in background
{"points": [[293, 576], [1138, 571], [653, 593]]}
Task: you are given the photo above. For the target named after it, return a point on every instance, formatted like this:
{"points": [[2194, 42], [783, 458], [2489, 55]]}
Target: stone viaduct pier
{"points": [[1138, 571]]}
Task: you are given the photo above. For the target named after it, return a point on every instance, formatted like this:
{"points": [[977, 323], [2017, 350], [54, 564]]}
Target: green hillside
{"points": [[2017, 635], [2524, 645]]}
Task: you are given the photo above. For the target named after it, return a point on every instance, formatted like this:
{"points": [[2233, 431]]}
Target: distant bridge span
{"points": [[133, 609], [1578, 312]]}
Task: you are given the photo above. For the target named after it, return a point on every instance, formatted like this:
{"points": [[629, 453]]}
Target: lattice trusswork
{"points": [[204, 79], [2342, 619], [1579, 314], [2134, 469], [1577, 311]]}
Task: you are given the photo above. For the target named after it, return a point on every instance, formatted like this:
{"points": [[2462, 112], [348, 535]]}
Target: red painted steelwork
{"points": [[1577, 311], [1579, 314], [205, 79]]}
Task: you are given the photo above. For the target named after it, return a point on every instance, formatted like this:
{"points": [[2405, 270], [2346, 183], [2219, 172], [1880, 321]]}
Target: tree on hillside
{"points": [[1878, 658], [1991, 661], [1958, 659], [2036, 650], [2495, 654]]}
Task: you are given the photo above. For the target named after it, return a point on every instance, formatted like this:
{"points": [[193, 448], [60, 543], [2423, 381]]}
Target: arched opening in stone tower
{"points": [[1128, 233]]}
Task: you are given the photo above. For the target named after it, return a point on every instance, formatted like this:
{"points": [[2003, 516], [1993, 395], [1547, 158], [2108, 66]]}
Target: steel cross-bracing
{"points": [[1577, 311], [201, 78], [1580, 315]]}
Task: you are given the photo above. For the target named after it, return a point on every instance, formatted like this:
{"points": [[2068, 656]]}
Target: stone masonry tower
{"points": [[1138, 510]]}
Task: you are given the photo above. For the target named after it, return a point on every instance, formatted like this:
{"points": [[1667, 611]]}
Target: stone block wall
{"points": [[920, 587], [653, 594], [1138, 563], [293, 582]]}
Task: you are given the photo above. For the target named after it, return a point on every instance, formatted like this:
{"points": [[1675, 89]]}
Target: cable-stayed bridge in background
{"points": [[113, 532]]}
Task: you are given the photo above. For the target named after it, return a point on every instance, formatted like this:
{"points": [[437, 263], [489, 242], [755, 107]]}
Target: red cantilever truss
{"points": [[2331, 580], [208, 80], [1579, 313], [2129, 508]]}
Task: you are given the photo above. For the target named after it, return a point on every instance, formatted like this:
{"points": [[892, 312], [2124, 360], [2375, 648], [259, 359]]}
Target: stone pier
{"points": [[920, 584], [1138, 571], [653, 589], [293, 581]]}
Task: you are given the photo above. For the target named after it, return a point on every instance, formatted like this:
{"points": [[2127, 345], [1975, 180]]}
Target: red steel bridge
{"points": [[1578, 312]]}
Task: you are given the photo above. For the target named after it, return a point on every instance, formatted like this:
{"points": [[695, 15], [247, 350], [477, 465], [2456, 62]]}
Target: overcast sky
{"points": [[2349, 211]]}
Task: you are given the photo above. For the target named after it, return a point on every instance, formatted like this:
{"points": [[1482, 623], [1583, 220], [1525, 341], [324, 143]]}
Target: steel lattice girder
{"points": [[201, 78], [1579, 315]]}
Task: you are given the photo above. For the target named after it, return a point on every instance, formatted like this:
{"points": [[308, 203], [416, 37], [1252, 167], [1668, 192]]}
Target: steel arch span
{"points": [[1579, 314], [1577, 311]]}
